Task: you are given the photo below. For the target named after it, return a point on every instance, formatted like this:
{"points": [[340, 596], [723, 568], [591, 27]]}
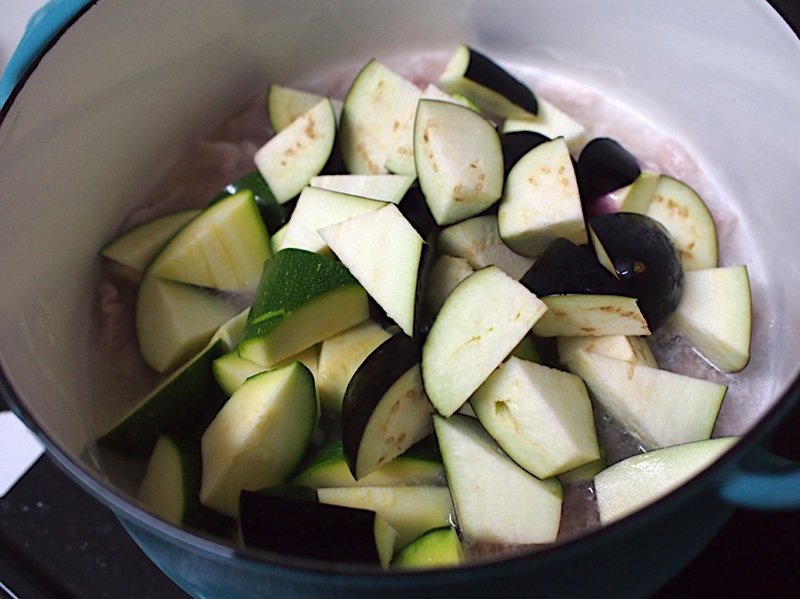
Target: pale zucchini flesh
{"points": [[259, 436], [174, 321], [302, 299], [222, 248], [631, 484], [437, 548], [138, 247]]}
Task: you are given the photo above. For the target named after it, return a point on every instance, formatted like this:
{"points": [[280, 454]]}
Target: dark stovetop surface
{"points": [[57, 541]]}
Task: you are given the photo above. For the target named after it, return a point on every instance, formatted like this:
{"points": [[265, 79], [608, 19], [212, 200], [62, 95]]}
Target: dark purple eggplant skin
{"points": [[516, 144], [646, 261], [387, 363], [603, 166], [567, 268], [423, 318], [489, 74], [414, 207], [307, 529]]}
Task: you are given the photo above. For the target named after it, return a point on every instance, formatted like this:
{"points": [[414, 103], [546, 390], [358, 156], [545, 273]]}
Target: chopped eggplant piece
{"points": [[567, 268], [603, 166], [385, 410], [309, 529], [644, 259], [493, 89], [518, 143]]}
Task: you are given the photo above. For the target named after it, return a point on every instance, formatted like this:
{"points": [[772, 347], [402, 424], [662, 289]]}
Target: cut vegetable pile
{"points": [[431, 332]]}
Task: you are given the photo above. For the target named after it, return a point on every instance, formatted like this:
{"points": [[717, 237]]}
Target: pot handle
{"points": [[765, 481], [42, 27]]}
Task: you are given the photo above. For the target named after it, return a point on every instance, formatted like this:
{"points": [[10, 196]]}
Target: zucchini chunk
{"points": [[635, 482], [480, 323], [299, 152], [139, 246], [259, 436], [459, 160], [174, 321], [171, 486], [313, 530], [658, 407], [184, 403], [383, 251], [272, 213], [408, 510], [491, 87], [223, 248], [495, 499], [640, 193], [377, 105], [541, 201], [385, 410], [302, 299], [231, 370], [420, 465], [436, 548], [584, 475]]}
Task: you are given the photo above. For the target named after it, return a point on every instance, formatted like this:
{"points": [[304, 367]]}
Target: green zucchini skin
{"points": [[308, 529], [184, 485], [376, 375], [439, 547], [421, 464], [273, 303], [183, 404], [272, 213]]}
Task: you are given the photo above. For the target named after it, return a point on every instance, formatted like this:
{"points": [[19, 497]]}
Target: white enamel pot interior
{"points": [[125, 87]]}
